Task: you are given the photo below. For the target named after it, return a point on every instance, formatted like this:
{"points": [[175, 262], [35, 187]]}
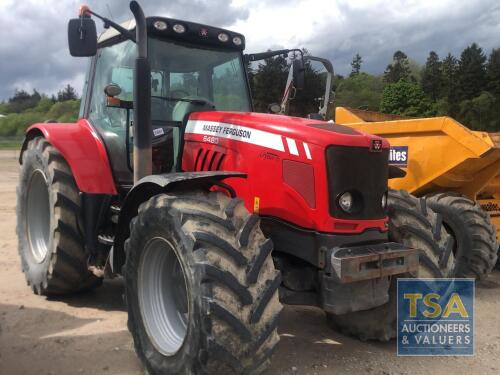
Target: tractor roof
{"points": [[180, 30]]}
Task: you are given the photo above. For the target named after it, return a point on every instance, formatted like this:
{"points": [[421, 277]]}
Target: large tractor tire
{"points": [[476, 245], [201, 287], [414, 224], [49, 231]]}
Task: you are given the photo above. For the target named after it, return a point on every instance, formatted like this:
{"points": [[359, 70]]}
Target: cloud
{"points": [[33, 45], [34, 53], [376, 29]]}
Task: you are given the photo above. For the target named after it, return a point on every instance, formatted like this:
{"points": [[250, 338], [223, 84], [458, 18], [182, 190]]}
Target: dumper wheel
{"points": [[201, 287], [414, 224], [49, 231], [476, 246]]}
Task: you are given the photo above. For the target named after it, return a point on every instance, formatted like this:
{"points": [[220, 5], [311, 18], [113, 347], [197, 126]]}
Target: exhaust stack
{"points": [[142, 130]]}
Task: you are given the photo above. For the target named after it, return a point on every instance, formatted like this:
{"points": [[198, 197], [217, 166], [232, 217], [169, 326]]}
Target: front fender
{"points": [[82, 149], [150, 186]]}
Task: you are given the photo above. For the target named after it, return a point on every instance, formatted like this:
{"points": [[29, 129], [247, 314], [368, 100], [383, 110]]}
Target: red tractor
{"points": [[213, 215]]}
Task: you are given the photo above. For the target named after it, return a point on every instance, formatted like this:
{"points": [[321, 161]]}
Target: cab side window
{"points": [[114, 65]]}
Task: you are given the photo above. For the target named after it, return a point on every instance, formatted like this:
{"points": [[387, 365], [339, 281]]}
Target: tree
{"points": [[306, 100], [269, 81], [68, 93], [493, 72], [362, 90], [432, 80], [481, 112], [405, 98], [356, 65], [399, 69], [448, 103], [471, 73], [22, 101]]}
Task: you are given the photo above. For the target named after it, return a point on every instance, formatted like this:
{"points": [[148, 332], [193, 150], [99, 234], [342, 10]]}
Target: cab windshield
{"points": [[182, 73]]}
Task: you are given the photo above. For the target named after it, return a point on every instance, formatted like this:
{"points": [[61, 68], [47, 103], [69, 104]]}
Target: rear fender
{"points": [[82, 149], [150, 186]]}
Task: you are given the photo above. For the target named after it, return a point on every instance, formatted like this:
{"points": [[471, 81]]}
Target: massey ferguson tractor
{"points": [[213, 215]]}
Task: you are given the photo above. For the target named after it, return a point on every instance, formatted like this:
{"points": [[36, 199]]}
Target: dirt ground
{"points": [[87, 334]]}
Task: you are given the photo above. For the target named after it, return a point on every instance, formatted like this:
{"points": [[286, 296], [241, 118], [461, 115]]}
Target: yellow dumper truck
{"points": [[457, 169]]}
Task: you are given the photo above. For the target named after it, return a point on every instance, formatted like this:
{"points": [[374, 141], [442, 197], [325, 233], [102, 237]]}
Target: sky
{"points": [[34, 52]]}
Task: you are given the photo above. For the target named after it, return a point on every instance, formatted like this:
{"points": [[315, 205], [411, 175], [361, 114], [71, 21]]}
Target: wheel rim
{"points": [[162, 296], [38, 216]]}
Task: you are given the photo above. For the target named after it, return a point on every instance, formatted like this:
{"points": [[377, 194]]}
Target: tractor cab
{"points": [[193, 68]]}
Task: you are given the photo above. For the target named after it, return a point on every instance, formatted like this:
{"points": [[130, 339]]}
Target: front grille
{"points": [[361, 172], [208, 160]]}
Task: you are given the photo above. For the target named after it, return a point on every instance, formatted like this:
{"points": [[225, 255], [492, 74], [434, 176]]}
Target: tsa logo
{"points": [[435, 317], [398, 155]]}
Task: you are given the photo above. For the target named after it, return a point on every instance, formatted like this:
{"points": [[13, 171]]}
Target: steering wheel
{"points": [[175, 94]]}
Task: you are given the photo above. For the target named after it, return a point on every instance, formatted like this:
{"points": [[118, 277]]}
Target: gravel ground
{"points": [[87, 334]]}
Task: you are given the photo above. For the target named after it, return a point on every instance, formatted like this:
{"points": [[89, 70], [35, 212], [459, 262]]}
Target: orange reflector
{"points": [[112, 102], [84, 10], [256, 205], [345, 226]]}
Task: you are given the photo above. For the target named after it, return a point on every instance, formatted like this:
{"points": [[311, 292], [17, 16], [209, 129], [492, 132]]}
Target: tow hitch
{"points": [[351, 264]]}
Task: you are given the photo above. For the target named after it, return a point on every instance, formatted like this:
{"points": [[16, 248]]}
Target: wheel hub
{"points": [[163, 297], [38, 216]]}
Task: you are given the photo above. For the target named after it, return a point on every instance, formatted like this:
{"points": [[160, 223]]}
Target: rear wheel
{"points": [[201, 286], [413, 224], [475, 237], [50, 238]]}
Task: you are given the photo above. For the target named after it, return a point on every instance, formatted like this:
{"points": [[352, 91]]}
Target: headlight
{"points": [[223, 37], [178, 28], [384, 201], [160, 25], [345, 202]]}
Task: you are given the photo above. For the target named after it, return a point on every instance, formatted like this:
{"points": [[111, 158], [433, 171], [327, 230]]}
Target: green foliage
{"points": [[21, 101], [359, 91], [356, 65], [493, 72], [471, 72], [306, 100], [449, 72], [481, 112], [68, 109], [68, 93], [269, 80], [432, 78], [407, 99], [399, 69], [24, 109]]}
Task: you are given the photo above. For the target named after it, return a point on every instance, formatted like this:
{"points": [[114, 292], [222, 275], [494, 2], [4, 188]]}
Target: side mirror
{"points": [[298, 73], [82, 37], [274, 108], [112, 90]]}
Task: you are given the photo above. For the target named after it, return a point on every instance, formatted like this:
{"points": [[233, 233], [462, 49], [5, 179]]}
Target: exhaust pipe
{"points": [[142, 130]]}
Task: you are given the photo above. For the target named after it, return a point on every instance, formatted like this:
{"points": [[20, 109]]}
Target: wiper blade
{"points": [[170, 99]]}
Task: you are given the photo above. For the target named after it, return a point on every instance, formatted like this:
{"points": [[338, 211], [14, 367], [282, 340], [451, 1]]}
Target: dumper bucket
{"points": [[438, 154]]}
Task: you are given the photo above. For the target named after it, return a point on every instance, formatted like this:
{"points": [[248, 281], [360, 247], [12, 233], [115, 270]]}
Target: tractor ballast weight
{"points": [[220, 213]]}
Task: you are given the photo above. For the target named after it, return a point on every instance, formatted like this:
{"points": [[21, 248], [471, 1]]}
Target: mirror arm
{"points": [[107, 23], [268, 54]]}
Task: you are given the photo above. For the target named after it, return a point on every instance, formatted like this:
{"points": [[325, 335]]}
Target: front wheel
{"points": [[201, 287], [415, 225]]}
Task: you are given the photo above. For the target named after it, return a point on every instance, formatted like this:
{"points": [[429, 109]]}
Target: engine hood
{"points": [[242, 124]]}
